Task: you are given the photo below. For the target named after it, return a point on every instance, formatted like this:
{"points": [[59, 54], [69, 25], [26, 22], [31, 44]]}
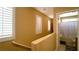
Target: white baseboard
{"points": [[21, 44], [5, 39]]}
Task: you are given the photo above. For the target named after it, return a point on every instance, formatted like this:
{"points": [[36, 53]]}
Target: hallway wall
{"points": [[25, 25]]}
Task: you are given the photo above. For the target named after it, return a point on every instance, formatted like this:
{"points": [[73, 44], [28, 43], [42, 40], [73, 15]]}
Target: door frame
{"points": [[57, 29]]}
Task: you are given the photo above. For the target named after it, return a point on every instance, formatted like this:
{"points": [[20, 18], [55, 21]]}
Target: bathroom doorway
{"points": [[68, 30]]}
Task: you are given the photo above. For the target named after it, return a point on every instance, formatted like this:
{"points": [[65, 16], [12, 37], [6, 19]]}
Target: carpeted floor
{"points": [[9, 46]]}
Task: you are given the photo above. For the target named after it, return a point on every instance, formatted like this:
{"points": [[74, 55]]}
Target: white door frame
{"points": [[57, 36]]}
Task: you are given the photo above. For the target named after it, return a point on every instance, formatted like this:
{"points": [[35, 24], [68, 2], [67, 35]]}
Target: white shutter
{"points": [[0, 22], [6, 23]]}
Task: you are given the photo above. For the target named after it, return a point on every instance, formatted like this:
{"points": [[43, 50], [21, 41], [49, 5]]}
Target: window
{"points": [[6, 22], [49, 24], [38, 24]]}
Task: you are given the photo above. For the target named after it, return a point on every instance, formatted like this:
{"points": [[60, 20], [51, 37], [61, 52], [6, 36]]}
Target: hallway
{"points": [[36, 28]]}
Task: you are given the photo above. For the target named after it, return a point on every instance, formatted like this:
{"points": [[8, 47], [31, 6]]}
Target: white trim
{"points": [[78, 32], [5, 39], [13, 27], [21, 44], [57, 39]]}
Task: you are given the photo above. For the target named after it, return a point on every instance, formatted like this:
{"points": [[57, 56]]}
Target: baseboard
{"points": [[21, 44], [5, 39], [25, 45]]}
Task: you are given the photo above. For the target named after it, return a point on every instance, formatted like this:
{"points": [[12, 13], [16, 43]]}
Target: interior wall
{"points": [[41, 43], [25, 25], [55, 20]]}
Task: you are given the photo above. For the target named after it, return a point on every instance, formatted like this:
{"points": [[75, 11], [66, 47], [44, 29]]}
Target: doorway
{"points": [[68, 30]]}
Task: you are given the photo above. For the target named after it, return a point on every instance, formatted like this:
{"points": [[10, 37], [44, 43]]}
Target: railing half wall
{"points": [[46, 43]]}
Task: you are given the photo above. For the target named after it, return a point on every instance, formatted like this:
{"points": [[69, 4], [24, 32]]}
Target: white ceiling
{"points": [[46, 10]]}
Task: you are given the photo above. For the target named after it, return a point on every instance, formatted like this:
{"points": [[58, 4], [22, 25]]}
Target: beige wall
{"points": [[25, 25]]}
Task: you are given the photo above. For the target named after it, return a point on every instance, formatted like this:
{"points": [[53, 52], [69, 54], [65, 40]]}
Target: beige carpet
{"points": [[9, 46]]}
